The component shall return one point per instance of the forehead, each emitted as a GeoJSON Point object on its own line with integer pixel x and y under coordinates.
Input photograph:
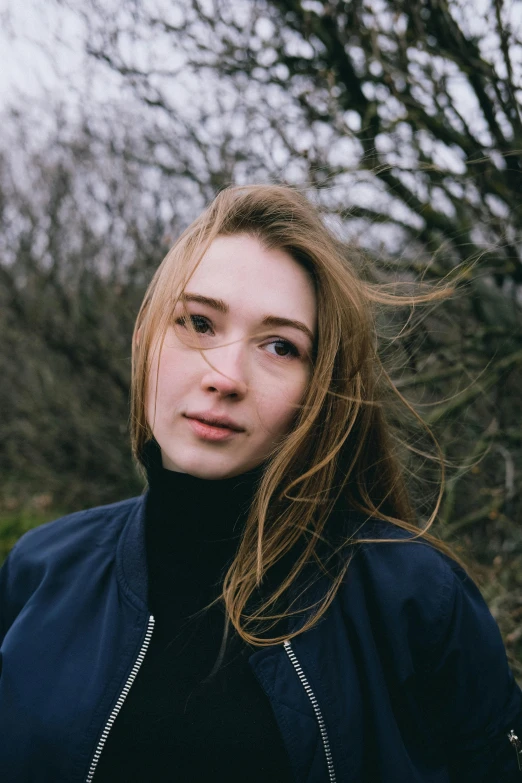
{"type": "Point", "coordinates": [239, 270]}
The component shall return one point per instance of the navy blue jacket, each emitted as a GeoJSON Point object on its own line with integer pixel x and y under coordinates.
{"type": "Point", "coordinates": [405, 679]}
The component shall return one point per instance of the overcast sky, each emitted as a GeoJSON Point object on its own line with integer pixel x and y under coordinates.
{"type": "Point", "coordinates": [31, 58]}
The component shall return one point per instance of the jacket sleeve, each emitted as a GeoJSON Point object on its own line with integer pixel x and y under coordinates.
{"type": "Point", "coordinates": [4, 624]}
{"type": "Point", "coordinates": [473, 699]}
{"type": "Point", "coordinates": [13, 589]}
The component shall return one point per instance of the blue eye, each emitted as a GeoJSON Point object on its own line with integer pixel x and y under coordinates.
{"type": "Point", "coordinates": [199, 322]}
{"type": "Point", "coordinates": [286, 346]}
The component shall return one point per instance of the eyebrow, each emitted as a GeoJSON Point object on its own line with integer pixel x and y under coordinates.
{"type": "Point", "coordinates": [268, 320]}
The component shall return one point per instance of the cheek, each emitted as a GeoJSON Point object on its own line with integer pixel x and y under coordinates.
{"type": "Point", "coordinates": [161, 384]}
{"type": "Point", "coordinates": [280, 405]}
{"type": "Point", "coordinates": [158, 384]}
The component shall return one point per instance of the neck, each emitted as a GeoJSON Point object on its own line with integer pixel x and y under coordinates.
{"type": "Point", "coordinates": [190, 511]}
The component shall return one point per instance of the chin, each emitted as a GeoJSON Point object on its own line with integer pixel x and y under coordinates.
{"type": "Point", "coordinates": [210, 467]}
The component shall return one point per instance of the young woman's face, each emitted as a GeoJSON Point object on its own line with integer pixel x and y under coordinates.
{"type": "Point", "coordinates": [242, 300]}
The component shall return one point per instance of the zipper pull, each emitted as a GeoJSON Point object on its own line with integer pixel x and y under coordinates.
{"type": "Point", "coordinates": [512, 737]}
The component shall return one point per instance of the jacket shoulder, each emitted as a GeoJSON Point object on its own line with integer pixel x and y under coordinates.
{"type": "Point", "coordinates": [392, 548]}
{"type": "Point", "coordinates": [417, 596]}
{"type": "Point", "coordinates": [97, 525]}
{"type": "Point", "coordinates": [67, 549]}
{"type": "Point", "coordinates": [388, 551]}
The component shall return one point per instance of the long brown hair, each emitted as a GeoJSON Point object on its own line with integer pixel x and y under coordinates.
{"type": "Point", "coordinates": [341, 445]}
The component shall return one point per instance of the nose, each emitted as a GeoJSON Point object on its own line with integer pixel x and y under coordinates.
{"type": "Point", "coordinates": [226, 373]}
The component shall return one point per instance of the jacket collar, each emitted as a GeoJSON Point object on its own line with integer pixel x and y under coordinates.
{"type": "Point", "coordinates": [131, 560]}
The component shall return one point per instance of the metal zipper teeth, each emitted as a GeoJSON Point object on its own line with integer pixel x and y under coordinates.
{"type": "Point", "coordinates": [123, 695]}
{"type": "Point", "coordinates": [318, 714]}
{"type": "Point", "coordinates": [515, 742]}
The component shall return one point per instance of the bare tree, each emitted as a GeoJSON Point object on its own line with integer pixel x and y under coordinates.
{"type": "Point", "coordinates": [403, 120]}
{"type": "Point", "coordinates": [80, 236]}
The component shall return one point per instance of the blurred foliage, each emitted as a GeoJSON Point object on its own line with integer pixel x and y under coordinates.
{"type": "Point", "coordinates": [501, 586]}
{"type": "Point", "coordinates": [402, 121]}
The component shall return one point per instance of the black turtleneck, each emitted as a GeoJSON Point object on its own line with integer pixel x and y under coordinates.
{"type": "Point", "coordinates": [178, 722]}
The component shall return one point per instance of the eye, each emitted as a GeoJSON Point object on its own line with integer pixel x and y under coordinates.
{"type": "Point", "coordinates": [199, 322]}
{"type": "Point", "coordinates": [284, 349]}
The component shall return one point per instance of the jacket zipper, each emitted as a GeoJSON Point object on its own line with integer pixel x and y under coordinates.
{"type": "Point", "coordinates": [512, 737]}
{"type": "Point", "coordinates": [317, 710]}
{"type": "Point", "coordinates": [119, 704]}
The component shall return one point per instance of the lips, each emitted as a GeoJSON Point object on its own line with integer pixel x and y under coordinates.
{"type": "Point", "coordinates": [214, 420]}
{"type": "Point", "coordinates": [212, 432]}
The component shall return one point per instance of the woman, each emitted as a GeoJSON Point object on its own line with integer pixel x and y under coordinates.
{"type": "Point", "coordinates": [270, 610]}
